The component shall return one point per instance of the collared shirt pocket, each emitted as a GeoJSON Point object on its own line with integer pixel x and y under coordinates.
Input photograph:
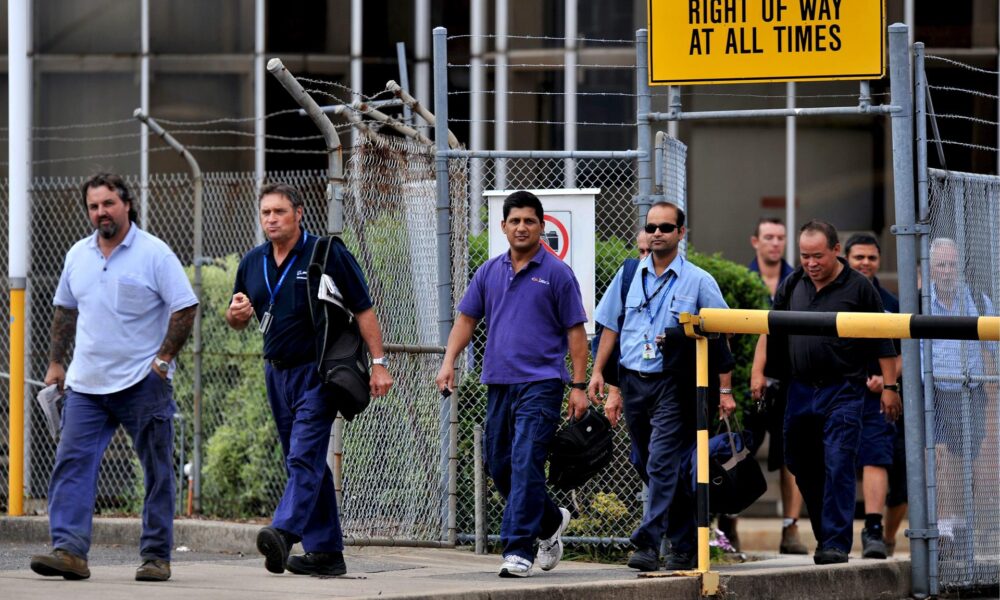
{"type": "Point", "coordinates": [682, 303]}
{"type": "Point", "coordinates": [133, 297]}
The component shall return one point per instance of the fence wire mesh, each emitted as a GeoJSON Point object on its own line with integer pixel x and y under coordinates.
{"type": "Point", "coordinates": [608, 507]}
{"type": "Point", "coordinates": [964, 262]}
{"type": "Point", "coordinates": [395, 482]}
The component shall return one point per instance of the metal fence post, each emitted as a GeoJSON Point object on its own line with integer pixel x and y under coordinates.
{"type": "Point", "coordinates": [198, 259]}
{"type": "Point", "coordinates": [643, 130]}
{"type": "Point", "coordinates": [480, 489]}
{"type": "Point", "coordinates": [902, 159]}
{"type": "Point", "coordinates": [444, 262]}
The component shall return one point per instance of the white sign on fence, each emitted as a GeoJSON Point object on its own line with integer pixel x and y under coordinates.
{"type": "Point", "coordinates": [569, 233]}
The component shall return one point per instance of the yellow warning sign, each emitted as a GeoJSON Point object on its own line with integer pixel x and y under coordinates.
{"type": "Point", "coordinates": [750, 41]}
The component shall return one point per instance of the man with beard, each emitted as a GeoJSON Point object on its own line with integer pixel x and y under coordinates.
{"type": "Point", "coordinates": [271, 284]}
{"type": "Point", "coordinates": [826, 386]}
{"type": "Point", "coordinates": [658, 410]}
{"type": "Point", "coordinates": [124, 299]}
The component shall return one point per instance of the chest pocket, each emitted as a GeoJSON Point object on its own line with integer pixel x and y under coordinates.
{"type": "Point", "coordinates": [681, 303]}
{"type": "Point", "coordinates": [133, 298]}
{"type": "Point", "coordinates": [301, 297]}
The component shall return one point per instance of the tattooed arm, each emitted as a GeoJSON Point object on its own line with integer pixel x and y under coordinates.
{"type": "Point", "coordinates": [178, 331]}
{"type": "Point", "coordinates": [62, 335]}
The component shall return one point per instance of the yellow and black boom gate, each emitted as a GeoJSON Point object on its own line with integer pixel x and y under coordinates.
{"type": "Point", "coordinates": [787, 322]}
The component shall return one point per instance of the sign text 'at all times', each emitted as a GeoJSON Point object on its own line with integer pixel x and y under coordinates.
{"type": "Point", "coordinates": [721, 24]}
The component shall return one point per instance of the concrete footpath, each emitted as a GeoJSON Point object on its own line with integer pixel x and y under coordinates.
{"type": "Point", "coordinates": [403, 572]}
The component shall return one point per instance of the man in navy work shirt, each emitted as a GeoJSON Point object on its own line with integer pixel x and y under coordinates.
{"type": "Point", "coordinates": [531, 303]}
{"type": "Point", "coordinates": [124, 299]}
{"type": "Point", "coordinates": [660, 417]}
{"type": "Point", "coordinates": [271, 284]}
{"type": "Point", "coordinates": [827, 388]}
{"type": "Point", "coordinates": [880, 438]}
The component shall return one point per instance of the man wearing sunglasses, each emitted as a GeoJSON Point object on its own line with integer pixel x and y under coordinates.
{"type": "Point", "coordinates": [660, 417]}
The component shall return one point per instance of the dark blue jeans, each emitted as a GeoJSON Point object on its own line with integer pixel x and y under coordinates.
{"type": "Point", "coordinates": [146, 411]}
{"type": "Point", "coordinates": [822, 435]}
{"type": "Point", "coordinates": [663, 430]}
{"type": "Point", "coordinates": [304, 416]}
{"type": "Point", "coordinates": [521, 419]}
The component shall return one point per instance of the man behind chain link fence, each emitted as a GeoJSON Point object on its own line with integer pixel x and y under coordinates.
{"type": "Point", "coordinates": [271, 284]}
{"type": "Point", "coordinates": [125, 301]}
{"type": "Point", "coordinates": [531, 303]}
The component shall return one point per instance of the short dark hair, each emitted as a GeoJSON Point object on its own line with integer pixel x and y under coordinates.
{"type": "Point", "coordinates": [284, 189]}
{"type": "Point", "coordinates": [677, 209]}
{"type": "Point", "coordinates": [861, 239]}
{"type": "Point", "coordinates": [523, 199]}
{"type": "Point", "coordinates": [828, 230]}
{"type": "Point", "coordinates": [766, 220]}
{"type": "Point", "coordinates": [112, 182]}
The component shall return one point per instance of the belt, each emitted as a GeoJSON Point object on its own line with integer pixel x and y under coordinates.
{"type": "Point", "coordinates": [288, 363]}
{"type": "Point", "coordinates": [826, 382]}
{"type": "Point", "coordinates": [646, 376]}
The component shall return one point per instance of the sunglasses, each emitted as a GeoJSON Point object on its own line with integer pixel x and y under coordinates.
{"type": "Point", "coordinates": [664, 227]}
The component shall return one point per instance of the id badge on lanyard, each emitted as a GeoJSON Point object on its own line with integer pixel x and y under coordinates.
{"type": "Point", "coordinates": [648, 345]}
{"type": "Point", "coordinates": [268, 316]}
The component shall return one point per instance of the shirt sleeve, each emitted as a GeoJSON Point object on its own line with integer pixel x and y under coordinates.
{"type": "Point", "coordinates": [871, 301]}
{"type": "Point", "coordinates": [347, 274]}
{"type": "Point", "coordinates": [569, 301]}
{"type": "Point", "coordinates": [610, 306]}
{"type": "Point", "coordinates": [709, 294]}
{"type": "Point", "coordinates": [172, 283]}
{"type": "Point", "coordinates": [473, 303]}
{"type": "Point", "coordinates": [240, 283]}
{"type": "Point", "coordinates": [64, 295]}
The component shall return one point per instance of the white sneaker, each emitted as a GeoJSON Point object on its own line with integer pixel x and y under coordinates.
{"type": "Point", "coordinates": [550, 550]}
{"type": "Point", "coordinates": [515, 566]}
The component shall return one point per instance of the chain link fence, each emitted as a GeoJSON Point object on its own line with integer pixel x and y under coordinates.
{"type": "Point", "coordinates": [395, 480]}
{"type": "Point", "coordinates": [609, 507]}
{"type": "Point", "coordinates": [964, 261]}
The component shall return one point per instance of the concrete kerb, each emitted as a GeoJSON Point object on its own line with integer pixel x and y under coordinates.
{"type": "Point", "coordinates": [773, 578]}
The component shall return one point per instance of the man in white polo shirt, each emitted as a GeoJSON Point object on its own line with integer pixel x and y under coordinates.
{"type": "Point", "coordinates": [124, 299]}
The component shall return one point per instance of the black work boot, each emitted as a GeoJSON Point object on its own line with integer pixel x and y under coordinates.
{"type": "Point", "coordinates": [644, 559]}
{"type": "Point", "coordinates": [60, 563]}
{"type": "Point", "coordinates": [680, 561]}
{"type": "Point", "coordinates": [872, 544]}
{"type": "Point", "coordinates": [274, 544]}
{"type": "Point", "coordinates": [317, 563]}
{"type": "Point", "coordinates": [830, 556]}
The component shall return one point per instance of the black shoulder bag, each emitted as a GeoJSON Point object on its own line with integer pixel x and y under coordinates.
{"type": "Point", "coordinates": [341, 352]}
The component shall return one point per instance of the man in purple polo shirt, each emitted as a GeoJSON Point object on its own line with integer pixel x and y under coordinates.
{"type": "Point", "coordinates": [533, 310]}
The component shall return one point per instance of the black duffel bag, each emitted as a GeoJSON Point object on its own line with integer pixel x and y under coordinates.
{"type": "Point", "coordinates": [735, 480]}
{"type": "Point", "coordinates": [581, 449]}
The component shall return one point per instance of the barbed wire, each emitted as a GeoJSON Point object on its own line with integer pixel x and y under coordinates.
{"type": "Point", "coordinates": [253, 148]}
{"type": "Point", "coordinates": [947, 88]}
{"type": "Point", "coordinates": [963, 118]}
{"type": "Point", "coordinates": [269, 136]}
{"type": "Point", "coordinates": [963, 144]}
{"type": "Point", "coordinates": [960, 64]}
{"type": "Point", "coordinates": [96, 138]}
{"type": "Point", "coordinates": [782, 96]}
{"type": "Point", "coordinates": [42, 161]}
{"type": "Point", "coordinates": [553, 65]}
{"type": "Point", "coordinates": [78, 125]}
{"type": "Point", "coordinates": [347, 89]}
{"type": "Point", "coordinates": [219, 121]}
{"type": "Point", "coordinates": [541, 37]}
{"type": "Point", "coordinates": [584, 123]}
{"type": "Point", "coordinates": [468, 92]}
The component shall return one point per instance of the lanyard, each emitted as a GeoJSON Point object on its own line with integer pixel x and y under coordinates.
{"type": "Point", "coordinates": [281, 280]}
{"type": "Point", "coordinates": [668, 282]}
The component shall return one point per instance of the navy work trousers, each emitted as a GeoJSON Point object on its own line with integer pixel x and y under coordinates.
{"type": "Point", "coordinates": [304, 416]}
{"type": "Point", "coordinates": [822, 435]}
{"type": "Point", "coordinates": [521, 419]}
{"type": "Point", "coordinates": [146, 411]}
{"type": "Point", "coordinates": [663, 429]}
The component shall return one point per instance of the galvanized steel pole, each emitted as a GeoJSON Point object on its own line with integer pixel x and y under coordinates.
{"type": "Point", "coordinates": [198, 259]}
{"type": "Point", "coordinates": [643, 109]}
{"type": "Point", "coordinates": [906, 249]}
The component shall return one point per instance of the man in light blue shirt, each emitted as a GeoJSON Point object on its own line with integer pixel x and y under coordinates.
{"type": "Point", "coordinates": [124, 299]}
{"type": "Point", "coordinates": [659, 414]}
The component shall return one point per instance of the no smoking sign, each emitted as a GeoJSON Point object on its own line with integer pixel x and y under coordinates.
{"type": "Point", "coordinates": [556, 236]}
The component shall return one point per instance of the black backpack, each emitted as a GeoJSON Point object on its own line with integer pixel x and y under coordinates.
{"type": "Point", "coordinates": [341, 352]}
{"type": "Point", "coordinates": [610, 371]}
{"type": "Point", "coordinates": [580, 450]}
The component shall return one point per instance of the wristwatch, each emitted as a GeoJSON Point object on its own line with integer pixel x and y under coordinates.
{"type": "Point", "coordinates": [579, 385]}
{"type": "Point", "coordinates": [725, 391]}
{"type": "Point", "coordinates": [381, 361]}
{"type": "Point", "coordinates": [891, 386]}
{"type": "Point", "coordinates": [163, 366]}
